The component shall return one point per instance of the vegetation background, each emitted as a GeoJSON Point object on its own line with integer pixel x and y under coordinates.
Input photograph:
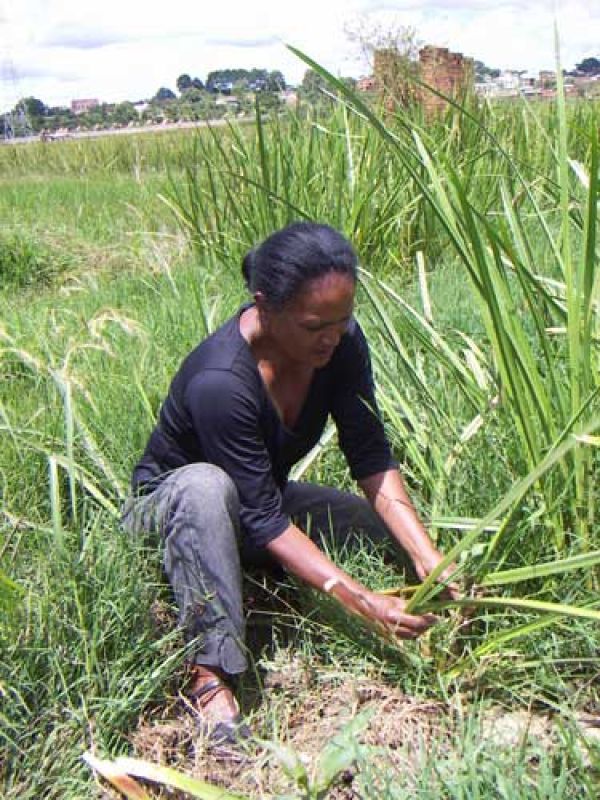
{"type": "Point", "coordinates": [478, 237]}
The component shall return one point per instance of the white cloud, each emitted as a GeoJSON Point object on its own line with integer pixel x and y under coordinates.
{"type": "Point", "coordinates": [120, 49]}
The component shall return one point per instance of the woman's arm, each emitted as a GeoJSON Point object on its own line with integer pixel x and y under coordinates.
{"type": "Point", "coordinates": [386, 493]}
{"type": "Point", "coordinates": [300, 556]}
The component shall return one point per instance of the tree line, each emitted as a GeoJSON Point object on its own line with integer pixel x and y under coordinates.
{"type": "Point", "coordinates": [225, 92]}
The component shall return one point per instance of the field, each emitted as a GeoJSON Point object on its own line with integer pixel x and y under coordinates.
{"type": "Point", "coordinates": [479, 292]}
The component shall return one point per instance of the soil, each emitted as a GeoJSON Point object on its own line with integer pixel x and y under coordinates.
{"type": "Point", "coordinates": [303, 710]}
{"type": "Point", "coordinates": [307, 716]}
{"type": "Point", "coordinates": [301, 706]}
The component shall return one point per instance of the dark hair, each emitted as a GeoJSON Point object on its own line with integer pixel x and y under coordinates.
{"type": "Point", "coordinates": [280, 267]}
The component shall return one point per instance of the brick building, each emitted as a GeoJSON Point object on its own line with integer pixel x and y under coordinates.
{"type": "Point", "coordinates": [449, 73]}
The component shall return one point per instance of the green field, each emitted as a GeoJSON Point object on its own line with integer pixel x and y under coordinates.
{"type": "Point", "coordinates": [477, 234]}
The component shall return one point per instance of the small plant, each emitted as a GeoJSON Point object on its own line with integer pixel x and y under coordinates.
{"type": "Point", "coordinates": [338, 755]}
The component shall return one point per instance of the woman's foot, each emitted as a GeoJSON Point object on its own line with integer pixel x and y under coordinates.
{"type": "Point", "coordinates": [216, 709]}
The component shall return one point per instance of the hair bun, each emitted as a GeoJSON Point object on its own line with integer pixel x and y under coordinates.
{"type": "Point", "coordinates": [248, 265]}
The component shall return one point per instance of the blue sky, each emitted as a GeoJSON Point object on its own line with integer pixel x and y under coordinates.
{"type": "Point", "coordinates": [125, 49]}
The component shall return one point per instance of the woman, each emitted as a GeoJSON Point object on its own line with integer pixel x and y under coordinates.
{"type": "Point", "coordinates": [245, 405]}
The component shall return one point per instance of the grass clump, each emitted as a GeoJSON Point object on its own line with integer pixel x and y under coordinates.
{"type": "Point", "coordinates": [79, 657]}
{"type": "Point", "coordinates": [29, 262]}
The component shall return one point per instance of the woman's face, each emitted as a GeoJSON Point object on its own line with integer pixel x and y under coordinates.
{"type": "Point", "coordinates": [309, 328]}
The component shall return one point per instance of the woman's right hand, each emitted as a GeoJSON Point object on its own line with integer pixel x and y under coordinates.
{"type": "Point", "coordinates": [389, 613]}
{"type": "Point", "coordinates": [298, 554]}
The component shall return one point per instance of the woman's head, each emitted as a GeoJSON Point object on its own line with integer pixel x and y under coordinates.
{"type": "Point", "coordinates": [284, 264]}
{"type": "Point", "coordinates": [303, 279]}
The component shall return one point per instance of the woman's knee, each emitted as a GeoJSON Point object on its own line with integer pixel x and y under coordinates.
{"type": "Point", "coordinates": [203, 488]}
{"type": "Point", "coordinates": [200, 517]}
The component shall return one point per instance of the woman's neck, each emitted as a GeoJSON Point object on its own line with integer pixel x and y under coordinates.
{"type": "Point", "coordinates": [287, 382]}
{"type": "Point", "coordinates": [266, 349]}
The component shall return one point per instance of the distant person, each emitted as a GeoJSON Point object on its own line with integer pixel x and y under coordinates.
{"type": "Point", "coordinates": [246, 404]}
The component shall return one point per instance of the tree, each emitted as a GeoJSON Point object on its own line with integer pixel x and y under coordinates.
{"type": "Point", "coordinates": [371, 37]}
{"type": "Point", "coordinates": [124, 113]}
{"type": "Point", "coordinates": [194, 95]}
{"type": "Point", "coordinates": [197, 84]}
{"type": "Point", "coordinates": [60, 117]}
{"type": "Point", "coordinates": [164, 94]}
{"type": "Point", "coordinates": [312, 85]}
{"type": "Point", "coordinates": [275, 81]}
{"type": "Point", "coordinates": [589, 66]}
{"type": "Point", "coordinates": [482, 71]}
{"type": "Point", "coordinates": [183, 82]}
{"type": "Point", "coordinates": [390, 52]}
{"type": "Point", "coordinates": [33, 107]}
{"type": "Point", "coordinates": [28, 114]}
{"type": "Point", "coordinates": [268, 102]}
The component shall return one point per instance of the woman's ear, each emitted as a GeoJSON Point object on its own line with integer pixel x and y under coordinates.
{"type": "Point", "coordinates": [262, 308]}
{"type": "Point", "coordinates": [260, 301]}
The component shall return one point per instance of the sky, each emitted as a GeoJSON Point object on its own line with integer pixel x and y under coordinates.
{"type": "Point", "coordinates": [115, 50]}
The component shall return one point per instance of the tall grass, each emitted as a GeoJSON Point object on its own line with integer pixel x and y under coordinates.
{"type": "Point", "coordinates": [137, 155]}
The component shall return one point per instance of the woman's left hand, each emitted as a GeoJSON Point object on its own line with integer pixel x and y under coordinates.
{"type": "Point", "coordinates": [427, 561]}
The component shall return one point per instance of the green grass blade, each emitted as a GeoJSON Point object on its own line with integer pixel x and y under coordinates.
{"type": "Point", "coordinates": [498, 642]}
{"type": "Point", "coordinates": [55, 502]}
{"type": "Point", "coordinates": [86, 480]}
{"type": "Point", "coordinates": [518, 604]}
{"type": "Point", "coordinates": [510, 499]}
{"type": "Point", "coordinates": [583, 561]}
{"type": "Point", "coordinates": [9, 592]}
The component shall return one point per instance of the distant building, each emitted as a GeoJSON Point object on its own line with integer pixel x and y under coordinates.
{"type": "Point", "coordinates": [486, 88]}
{"type": "Point", "coordinates": [81, 106]}
{"type": "Point", "coordinates": [450, 74]}
{"type": "Point", "coordinates": [227, 102]}
{"type": "Point", "coordinates": [366, 84]}
{"type": "Point", "coordinates": [257, 86]}
{"type": "Point", "coordinates": [515, 83]}
{"type": "Point", "coordinates": [509, 81]}
{"type": "Point", "coordinates": [222, 87]}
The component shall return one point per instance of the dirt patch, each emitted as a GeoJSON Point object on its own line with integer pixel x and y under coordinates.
{"type": "Point", "coordinates": [513, 729]}
{"type": "Point", "coordinates": [301, 711]}
{"type": "Point", "coordinates": [301, 706]}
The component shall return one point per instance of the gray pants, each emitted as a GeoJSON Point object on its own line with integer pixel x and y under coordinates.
{"type": "Point", "coordinates": [195, 509]}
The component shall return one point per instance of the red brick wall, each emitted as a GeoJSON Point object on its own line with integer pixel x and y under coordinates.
{"type": "Point", "coordinates": [449, 73]}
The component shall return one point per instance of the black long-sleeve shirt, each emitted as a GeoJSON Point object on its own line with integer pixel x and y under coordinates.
{"type": "Point", "coordinates": [219, 411]}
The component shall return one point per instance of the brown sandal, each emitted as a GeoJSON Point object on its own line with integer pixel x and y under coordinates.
{"type": "Point", "coordinates": [232, 731]}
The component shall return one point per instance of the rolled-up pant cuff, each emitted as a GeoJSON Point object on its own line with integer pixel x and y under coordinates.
{"type": "Point", "coordinates": [220, 649]}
